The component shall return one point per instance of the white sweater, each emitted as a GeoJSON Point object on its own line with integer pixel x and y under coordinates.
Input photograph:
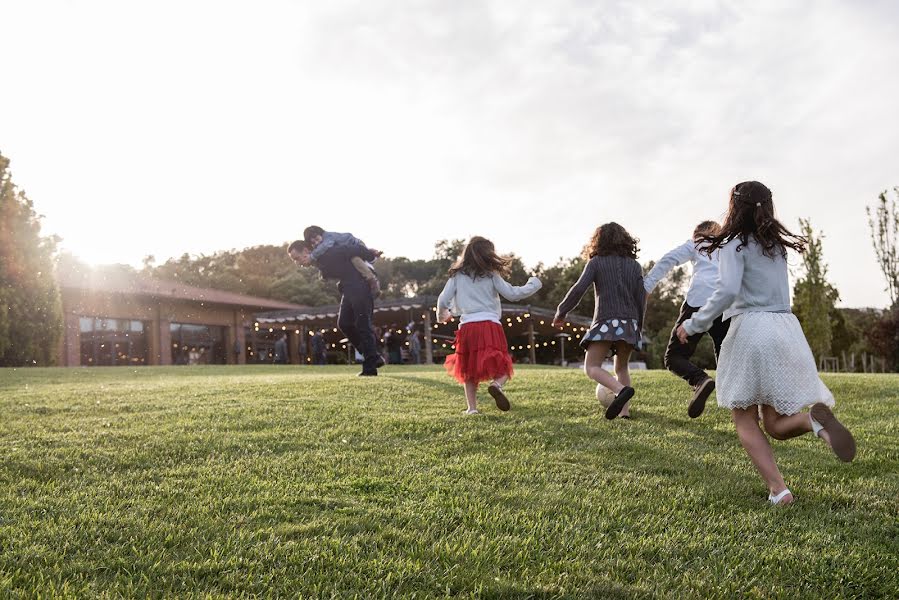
{"type": "Point", "coordinates": [748, 281]}
{"type": "Point", "coordinates": [705, 272]}
{"type": "Point", "coordinates": [478, 299]}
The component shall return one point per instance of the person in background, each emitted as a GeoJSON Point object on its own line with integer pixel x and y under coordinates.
{"type": "Point", "coordinates": [281, 350]}
{"type": "Point", "coordinates": [319, 356]}
{"type": "Point", "coordinates": [414, 347]}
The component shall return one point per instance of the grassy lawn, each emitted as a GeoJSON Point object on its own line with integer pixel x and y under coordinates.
{"type": "Point", "coordinates": [310, 482]}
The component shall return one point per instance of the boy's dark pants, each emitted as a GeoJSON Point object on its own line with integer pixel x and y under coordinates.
{"type": "Point", "coordinates": [355, 321]}
{"type": "Point", "coordinates": [677, 355]}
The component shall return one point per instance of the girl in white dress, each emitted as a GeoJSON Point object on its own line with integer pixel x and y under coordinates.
{"type": "Point", "coordinates": [766, 367]}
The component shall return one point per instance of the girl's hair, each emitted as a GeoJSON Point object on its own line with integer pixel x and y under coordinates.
{"type": "Point", "coordinates": [751, 212]}
{"type": "Point", "coordinates": [479, 259]}
{"type": "Point", "coordinates": [705, 228]}
{"type": "Point", "coordinates": [611, 239]}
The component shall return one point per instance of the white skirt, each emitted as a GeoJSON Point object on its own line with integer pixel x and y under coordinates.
{"type": "Point", "coordinates": [765, 359]}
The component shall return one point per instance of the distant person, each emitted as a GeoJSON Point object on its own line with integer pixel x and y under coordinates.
{"type": "Point", "coordinates": [414, 347]}
{"type": "Point", "coordinates": [702, 285]}
{"type": "Point", "coordinates": [301, 350]}
{"type": "Point", "coordinates": [617, 280]}
{"type": "Point", "coordinates": [766, 367]}
{"type": "Point", "coordinates": [394, 347]}
{"type": "Point", "coordinates": [319, 353]}
{"type": "Point", "coordinates": [476, 282]}
{"type": "Point", "coordinates": [356, 302]}
{"type": "Point", "coordinates": [320, 241]}
{"type": "Point", "coordinates": [281, 350]}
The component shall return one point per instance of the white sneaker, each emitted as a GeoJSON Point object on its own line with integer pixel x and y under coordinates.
{"type": "Point", "coordinates": [471, 411]}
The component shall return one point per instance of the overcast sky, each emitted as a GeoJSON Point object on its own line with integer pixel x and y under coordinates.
{"type": "Point", "coordinates": [170, 127]}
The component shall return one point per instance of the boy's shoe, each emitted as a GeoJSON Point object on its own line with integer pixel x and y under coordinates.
{"type": "Point", "coordinates": [841, 441]}
{"type": "Point", "coordinates": [618, 403]}
{"type": "Point", "coordinates": [381, 362]}
{"type": "Point", "coordinates": [701, 393]}
{"type": "Point", "coordinates": [368, 374]}
{"type": "Point", "coordinates": [502, 402]}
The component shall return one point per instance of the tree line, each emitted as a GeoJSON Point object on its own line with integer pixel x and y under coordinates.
{"type": "Point", "coordinates": [31, 318]}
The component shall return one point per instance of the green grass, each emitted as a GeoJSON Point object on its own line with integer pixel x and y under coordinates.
{"type": "Point", "coordinates": [306, 482]}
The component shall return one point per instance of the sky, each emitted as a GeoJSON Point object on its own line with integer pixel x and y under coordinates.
{"type": "Point", "coordinates": [159, 128]}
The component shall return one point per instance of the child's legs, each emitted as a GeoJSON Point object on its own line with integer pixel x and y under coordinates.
{"type": "Point", "coordinates": [501, 380]}
{"type": "Point", "coordinates": [757, 447]}
{"type": "Point", "coordinates": [622, 358]}
{"type": "Point", "coordinates": [596, 354]}
{"type": "Point", "coordinates": [782, 427]}
{"type": "Point", "coordinates": [471, 394]}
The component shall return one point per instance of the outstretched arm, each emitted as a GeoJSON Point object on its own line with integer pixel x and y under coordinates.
{"type": "Point", "coordinates": [674, 258]}
{"type": "Point", "coordinates": [514, 293]}
{"type": "Point", "coordinates": [574, 295]}
{"type": "Point", "coordinates": [730, 279]}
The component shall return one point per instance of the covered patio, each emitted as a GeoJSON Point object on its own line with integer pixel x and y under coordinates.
{"type": "Point", "coordinates": [532, 338]}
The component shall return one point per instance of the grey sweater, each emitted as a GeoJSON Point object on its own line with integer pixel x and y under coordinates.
{"type": "Point", "coordinates": [618, 286]}
{"type": "Point", "coordinates": [748, 281]}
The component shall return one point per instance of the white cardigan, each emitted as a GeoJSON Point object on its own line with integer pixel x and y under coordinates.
{"type": "Point", "coordinates": [478, 299]}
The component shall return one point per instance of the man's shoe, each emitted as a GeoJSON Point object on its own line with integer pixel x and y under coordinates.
{"type": "Point", "coordinates": [701, 393]}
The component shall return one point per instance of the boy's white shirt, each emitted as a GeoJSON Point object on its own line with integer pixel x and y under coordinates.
{"type": "Point", "coordinates": [479, 299]}
{"type": "Point", "coordinates": [704, 280]}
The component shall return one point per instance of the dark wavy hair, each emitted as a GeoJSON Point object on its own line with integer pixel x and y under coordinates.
{"type": "Point", "coordinates": [751, 213]}
{"type": "Point", "coordinates": [479, 259]}
{"type": "Point", "coordinates": [611, 239]}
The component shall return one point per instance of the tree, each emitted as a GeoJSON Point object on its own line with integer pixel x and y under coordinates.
{"type": "Point", "coordinates": [30, 308]}
{"type": "Point", "coordinates": [814, 298]}
{"type": "Point", "coordinates": [884, 224]}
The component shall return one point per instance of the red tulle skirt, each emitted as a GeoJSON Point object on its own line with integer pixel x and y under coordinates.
{"type": "Point", "coordinates": [481, 353]}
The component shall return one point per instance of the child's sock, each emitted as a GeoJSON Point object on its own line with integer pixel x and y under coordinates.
{"type": "Point", "coordinates": [816, 426]}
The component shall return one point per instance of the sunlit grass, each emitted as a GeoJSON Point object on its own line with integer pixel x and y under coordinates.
{"type": "Point", "coordinates": [310, 482]}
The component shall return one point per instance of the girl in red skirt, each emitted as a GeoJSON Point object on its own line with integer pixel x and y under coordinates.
{"type": "Point", "coordinates": [473, 293]}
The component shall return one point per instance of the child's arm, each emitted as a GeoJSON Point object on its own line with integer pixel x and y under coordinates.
{"type": "Point", "coordinates": [514, 293]}
{"type": "Point", "coordinates": [446, 300]}
{"type": "Point", "coordinates": [674, 258]}
{"type": "Point", "coordinates": [574, 295]}
{"type": "Point", "coordinates": [730, 279]}
{"type": "Point", "coordinates": [640, 293]}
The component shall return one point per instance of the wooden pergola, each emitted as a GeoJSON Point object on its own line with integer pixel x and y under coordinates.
{"type": "Point", "coordinates": [528, 328]}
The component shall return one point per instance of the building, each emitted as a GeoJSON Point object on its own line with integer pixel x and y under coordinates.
{"type": "Point", "coordinates": [119, 318]}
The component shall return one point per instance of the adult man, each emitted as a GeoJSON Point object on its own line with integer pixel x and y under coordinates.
{"type": "Point", "coordinates": [281, 350]}
{"type": "Point", "coordinates": [356, 303]}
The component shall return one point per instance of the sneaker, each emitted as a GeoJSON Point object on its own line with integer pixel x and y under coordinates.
{"type": "Point", "coordinates": [841, 441]}
{"type": "Point", "coordinates": [701, 393]}
{"type": "Point", "coordinates": [502, 402]}
{"type": "Point", "coordinates": [367, 374]}
{"type": "Point", "coordinates": [620, 400]}
{"type": "Point", "coordinates": [471, 411]}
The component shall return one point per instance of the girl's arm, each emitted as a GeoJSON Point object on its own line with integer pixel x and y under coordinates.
{"type": "Point", "coordinates": [674, 258]}
{"type": "Point", "coordinates": [574, 295]}
{"type": "Point", "coordinates": [638, 288]}
{"type": "Point", "coordinates": [515, 293]}
{"type": "Point", "coordinates": [446, 300]}
{"type": "Point", "coordinates": [730, 279]}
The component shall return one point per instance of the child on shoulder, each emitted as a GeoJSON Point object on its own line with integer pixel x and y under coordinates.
{"type": "Point", "coordinates": [617, 279]}
{"type": "Point", "coordinates": [320, 241]}
{"type": "Point", "coordinates": [473, 293]}
{"type": "Point", "coordinates": [766, 367]}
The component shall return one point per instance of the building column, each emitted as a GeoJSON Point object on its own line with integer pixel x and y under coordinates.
{"type": "Point", "coordinates": [240, 337]}
{"type": "Point", "coordinates": [164, 350]}
{"type": "Point", "coordinates": [293, 346]}
{"type": "Point", "coordinates": [303, 345]}
{"type": "Point", "coordinates": [429, 346]}
{"type": "Point", "coordinates": [531, 344]}
{"type": "Point", "coordinates": [71, 339]}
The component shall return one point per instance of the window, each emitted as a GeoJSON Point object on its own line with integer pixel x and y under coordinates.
{"type": "Point", "coordinates": [112, 342]}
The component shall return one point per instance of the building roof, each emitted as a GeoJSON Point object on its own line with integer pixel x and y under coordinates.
{"type": "Point", "coordinates": [123, 282]}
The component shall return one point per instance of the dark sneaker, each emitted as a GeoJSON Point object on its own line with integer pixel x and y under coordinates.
{"type": "Point", "coordinates": [841, 441]}
{"type": "Point", "coordinates": [502, 402]}
{"type": "Point", "coordinates": [381, 362]}
{"type": "Point", "coordinates": [368, 374]}
{"type": "Point", "coordinates": [701, 393]}
{"type": "Point", "coordinates": [620, 400]}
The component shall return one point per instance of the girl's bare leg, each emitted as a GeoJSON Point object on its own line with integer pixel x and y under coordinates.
{"type": "Point", "coordinates": [759, 450]}
{"type": "Point", "coordinates": [471, 394]}
{"type": "Point", "coordinates": [596, 354]}
{"type": "Point", "coordinates": [784, 427]}
{"type": "Point", "coordinates": [622, 357]}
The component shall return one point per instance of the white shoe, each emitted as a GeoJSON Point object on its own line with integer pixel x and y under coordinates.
{"type": "Point", "coordinates": [777, 499]}
{"type": "Point", "coordinates": [471, 411]}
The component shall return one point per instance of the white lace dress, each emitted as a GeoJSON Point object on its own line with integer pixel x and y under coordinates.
{"type": "Point", "coordinates": [765, 359]}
